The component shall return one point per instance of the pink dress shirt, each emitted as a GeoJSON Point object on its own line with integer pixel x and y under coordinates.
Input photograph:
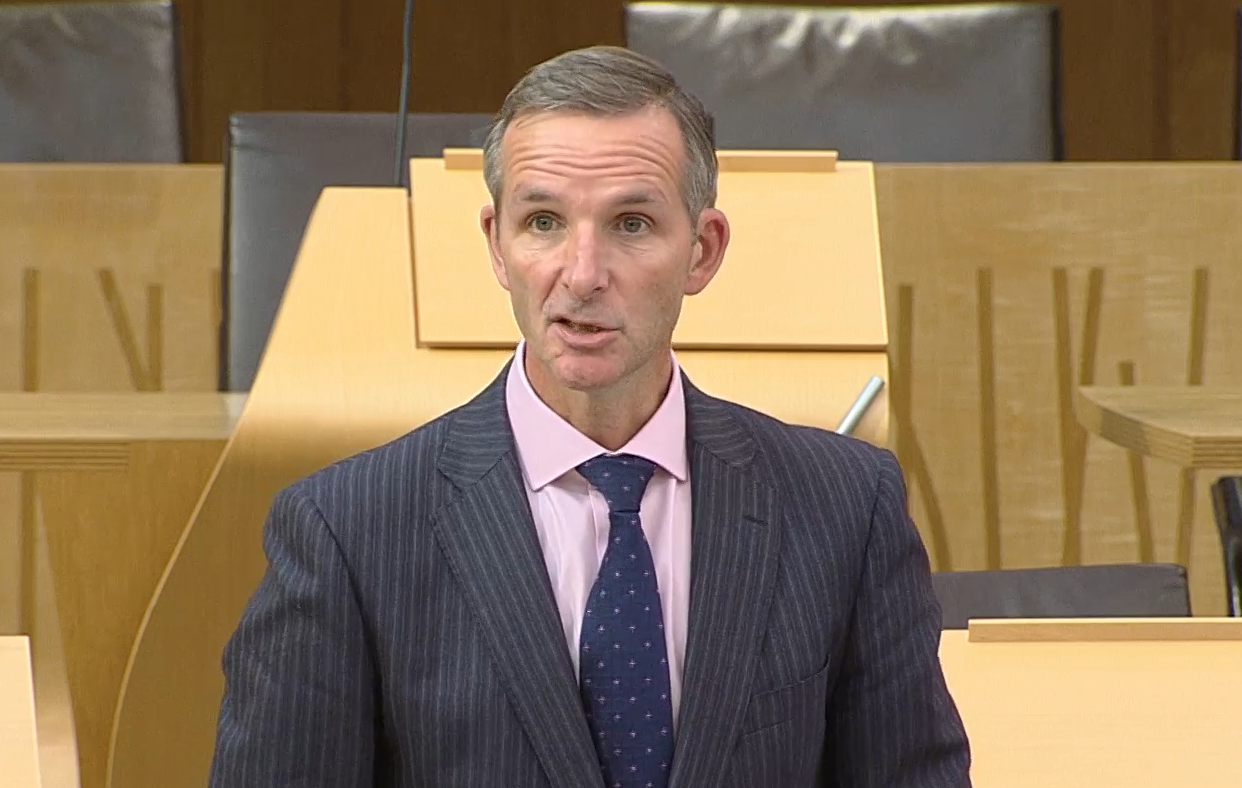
{"type": "Point", "coordinates": [571, 517]}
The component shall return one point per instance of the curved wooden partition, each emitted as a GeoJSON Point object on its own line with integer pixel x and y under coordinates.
{"type": "Point", "coordinates": [340, 375]}
{"type": "Point", "coordinates": [343, 372]}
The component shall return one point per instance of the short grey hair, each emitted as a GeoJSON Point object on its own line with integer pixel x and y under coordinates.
{"type": "Point", "coordinates": [610, 81]}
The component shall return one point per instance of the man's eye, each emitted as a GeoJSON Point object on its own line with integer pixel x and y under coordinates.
{"type": "Point", "coordinates": [633, 224]}
{"type": "Point", "coordinates": [541, 223]}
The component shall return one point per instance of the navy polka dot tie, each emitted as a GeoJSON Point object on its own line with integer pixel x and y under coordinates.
{"type": "Point", "coordinates": [623, 661]}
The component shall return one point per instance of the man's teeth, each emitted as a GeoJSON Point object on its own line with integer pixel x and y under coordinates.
{"type": "Point", "coordinates": [583, 328]}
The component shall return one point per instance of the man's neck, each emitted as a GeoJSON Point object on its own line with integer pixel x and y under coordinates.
{"type": "Point", "coordinates": [610, 418]}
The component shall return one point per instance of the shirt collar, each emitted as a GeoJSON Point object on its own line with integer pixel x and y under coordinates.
{"type": "Point", "coordinates": [549, 447]}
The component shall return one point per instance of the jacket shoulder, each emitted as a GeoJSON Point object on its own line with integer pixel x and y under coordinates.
{"type": "Point", "coordinates": [825, 474]}
{"type": "Point", "coordinates": [369, 478]}
{"type": "Point", "coordinates": [808, 449]}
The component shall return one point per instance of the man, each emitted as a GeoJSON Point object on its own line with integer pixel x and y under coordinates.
{"type": "Point", "coordinates": [594, 574]}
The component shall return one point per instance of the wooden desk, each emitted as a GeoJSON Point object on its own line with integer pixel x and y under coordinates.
{"type": "Point", "coordinates": [1099, 703]}
{"type": "Point", "coordinates": [53, 432]}
{"type": "Point", "coordinates": [19, 754]}
{"type": "Point", "coordinates": [116, 478]}
{"type": "Point", "coordinates": [1196, 427]}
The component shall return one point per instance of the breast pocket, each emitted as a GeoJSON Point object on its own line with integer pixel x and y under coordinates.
{"type": "Point", "coordinates": [793, 701]}
{"type": "Point", "coordinates": [782, 741]}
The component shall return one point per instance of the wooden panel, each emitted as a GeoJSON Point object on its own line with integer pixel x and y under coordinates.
{"type": "Point", "coordinates": [1189, 426]}
{"type": "Point", "coordinates": [467, 53]}
{"type": "Point", "coordinates": [371, 54]}
{"type": "Point", "coordinates": [533, 36]}
{"type": "Point", "coordinates": [829, 247]}
{"type": "Point", "coordinates": [108, 282]}
{"type": "Point", "coordinates": [465, 56]}
{"type": "Point", "coordinates": [838, 303]}
{"type": "Point", "coordinates": [190, 66]}
{"type": "Point", "coordinates": [58, 741]}
{"type": "Point", "coordinates": [87, 307]}
{"type": "Point", "coordinates": [165, 739]}
{"type": "Point", "coordinates": [1097, 714]}
{"type": "Point", "coordinates": [121, 419]}
{"type": "Point", "coordinates": [234, 36]}
{"type": "Point", "coordinates": [1110, 53]}
{"type": "Point", "coordinates": [97, 523]}
{"type": "Point", "coordinates": [88, 524]}
{"type": "Point", "coordinates": [10, 553]}
{"type": "Point", "coordinates": [19, 753]}
{"type": "Point", "coordinates": [1202, 78]}
{"type": "Point", "coordinates": [1103, 630]}
{"type": "Point", "coordinates": [304, 62]}
{"type": "Point", "coordinates": [1062, 244]}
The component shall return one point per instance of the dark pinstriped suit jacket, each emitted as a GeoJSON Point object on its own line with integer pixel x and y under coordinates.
{"type": "Point", "coordinates": [406, 633]}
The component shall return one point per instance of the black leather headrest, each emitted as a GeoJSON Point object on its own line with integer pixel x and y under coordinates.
{"type": "Point", "coordinates": [276, 166]}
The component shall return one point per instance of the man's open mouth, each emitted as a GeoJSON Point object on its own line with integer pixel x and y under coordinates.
{"type": "Point", "coordinates": [584, 328]}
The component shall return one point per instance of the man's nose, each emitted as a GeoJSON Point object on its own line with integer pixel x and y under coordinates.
{"type": "Point", "coordinates": [585, 273]}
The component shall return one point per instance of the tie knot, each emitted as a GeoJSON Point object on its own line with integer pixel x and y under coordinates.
{"type": "Point", "coordinates": [620, 478]}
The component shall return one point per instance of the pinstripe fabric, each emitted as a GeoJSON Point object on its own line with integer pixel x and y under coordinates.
{"type": "Point", "coordinates": [406, 633]}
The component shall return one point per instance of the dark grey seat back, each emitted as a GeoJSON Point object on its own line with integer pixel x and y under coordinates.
{"type": "Point", "coordinates": [276, 166]}
{"type": "Point", "coordinates": [1237, 91]}
{"type": "Point", "coordinates": [1227, 506]}
{"type": "Point", "coordinates": [89, 82]}
{"type": "Point", "coordinates": [1144, 590]}
{"type": "Point", "coordinates": [905, 83]}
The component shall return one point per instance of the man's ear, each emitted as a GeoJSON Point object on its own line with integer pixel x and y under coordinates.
{"type": "Point", "coordinates": [709, 250]}
{"type": "Point", "coordinates": [489, 223]}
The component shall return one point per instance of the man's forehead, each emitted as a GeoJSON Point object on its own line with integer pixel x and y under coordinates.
{"type": "Point", "coordinates": [620, 194]}
{"type": "Point", "coordinates": [652, 116]}
{"type": "Point", "coordinates": [555, 152]}
{"type": "Point", "coordinates": [577, 135]}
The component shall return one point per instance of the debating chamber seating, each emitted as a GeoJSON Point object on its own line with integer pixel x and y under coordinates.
{"type": "Point", "coordinates": [276, 165]}
{"type": "Point", "coordinates": [958, 83]}
{"type": "Point", "coordinates": [57, 93]}
{"type": "Point", "coordinates": [1099, 591]}
{"type": "Point", "coordinates": [212, 285]}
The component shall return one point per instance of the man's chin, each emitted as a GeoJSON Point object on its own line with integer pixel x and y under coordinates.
{"type": "Point", "coordinates": [586, 375]}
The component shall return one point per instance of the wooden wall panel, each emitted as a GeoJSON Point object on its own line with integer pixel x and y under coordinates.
{"type": "Point", "coordinates": [1084, 272]}
{"type": "Point", "coordinates": [190, 43]}
{"type": "Point", "coordinates": [1202, 79]}
{"type": "Point", "coordinates": [1109, 57]}
{"type": "Point", "coordinates": [93, 259]}
{"type": "Point", "coordinates": [129, 518]}
{"type": "Point", "coordinates": [231, 72]}
{"type": "Point", "coordinates": [109, 281]}
{"type": "Point", "coordinates": [371, 54]}
{"type": "Point", "coordinates": [304, 59]}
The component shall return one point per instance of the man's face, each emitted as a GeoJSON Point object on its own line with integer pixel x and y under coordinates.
{"type": "Point", "coordinates": [593, 242]}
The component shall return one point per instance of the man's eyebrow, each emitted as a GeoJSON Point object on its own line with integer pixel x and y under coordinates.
{"type": "Point", "coordinates": [639, 198]}
{"type": "Point", "coordinates": [535, 194]}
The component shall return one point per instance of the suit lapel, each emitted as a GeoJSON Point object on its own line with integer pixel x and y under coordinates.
{"type": "Point", "coordinates": [735, 544]}
{"type": "Point", "coordinates": [489, 536]}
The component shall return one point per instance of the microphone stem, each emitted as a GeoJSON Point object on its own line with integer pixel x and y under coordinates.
{"type": "Point", "coordinates": [404, 102]}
